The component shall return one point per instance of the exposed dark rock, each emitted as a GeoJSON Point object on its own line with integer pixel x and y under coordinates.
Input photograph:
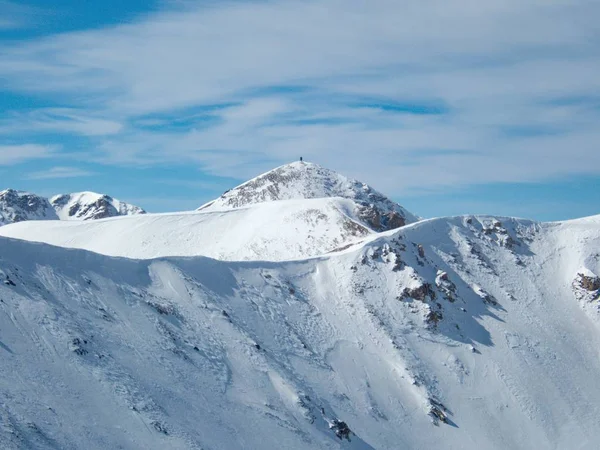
{"type": "Point", "coordinates": [433, 317]}
{"type": "Point", "coordinates": [589, 283]}
{"type": "Point", "coordinates": [77, 346]}
{"type": "Point", "coordinates": [341, 429]}
{"type": "Point", "coordinates": [395, 220]}
{"type": "Point", "coordinates": [438, 412]}
{"type": "Point", "coordinates": [165, 310]}
{"type": "Point", "coordinates": [420, 293]}
{"type": "Point", "coordinates": [442, 281]}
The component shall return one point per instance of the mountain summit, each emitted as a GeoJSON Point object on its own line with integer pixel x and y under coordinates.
{"type": "Point", "coordinates": [304, 180]}
{"type": "Point", "coordinates": [18, 206]}
{"type": "Point", "coordinates": [90, 205]}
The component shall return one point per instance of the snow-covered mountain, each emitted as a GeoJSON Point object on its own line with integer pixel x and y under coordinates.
{"type": "Point", "coordinates": [295, 211]}
{"type": "Point", "coordinates": [453, 333]}
{"type": "Point", "coordinates": [17, 206]}
{"type": "Point", "coordinates": [90, 205]}
{"type": "Point", "coordinates": [472, 332]}
{"type": "Point", "coordinates": [304, 180]}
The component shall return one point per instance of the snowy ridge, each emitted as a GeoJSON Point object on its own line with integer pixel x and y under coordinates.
{"type": "Point", "coordinates": [338, 331]}
{"type": "Point", "coordinates": [17, 206]}
{"type": "Point", "coordinates": [90, 205]}
{"type": "Point", "coordinates": [269, 231]}
{"type": "Point", "coordinates": [469, 323]}
{"type": "Point", "coordinates": [303, 180]}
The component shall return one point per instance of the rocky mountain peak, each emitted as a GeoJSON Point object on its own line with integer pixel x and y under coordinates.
{"type": "Point", "coordinates": [17, 206]}
{"type": "Point", "coordinates": [305, 180]}
{"type": "Point", "coordinates": [90, 206]}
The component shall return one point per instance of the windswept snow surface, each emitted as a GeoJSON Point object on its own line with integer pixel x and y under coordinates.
{"type": "Point", "coordinates": [454, 333]}
{"type": "Point", "coordinates": [272, 231]}
{"type": "Point", "coordinates": [304, 180]}
{"type": "Point", "coordinates": [90, 205]}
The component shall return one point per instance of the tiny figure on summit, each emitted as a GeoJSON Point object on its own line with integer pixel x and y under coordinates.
{"type": "Point", "coordinates": [301, 159]}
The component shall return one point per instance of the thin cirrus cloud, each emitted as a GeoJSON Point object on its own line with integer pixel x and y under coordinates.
{"type": "Point", "coordinates": [446, 93]}
{"type": "Point", "coordinates": [59, 172]}
{"type": "Point", "coordinates": [59, 120]}
{"type": "Point", "coordinates": [15, 154]}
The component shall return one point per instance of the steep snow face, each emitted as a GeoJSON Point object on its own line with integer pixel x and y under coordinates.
{"type": "Point", "coordinates": [17, 206]}
{"type": "Point", "coordinates": [89, 205]}
{"type": "Point", "coordinates": [269, 231]}
{"type": "Point", "coordinates": [456, 333]}
{"type": "Point", "coordinates": [302, 180]}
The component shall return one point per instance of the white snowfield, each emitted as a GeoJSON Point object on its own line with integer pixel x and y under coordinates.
{"type": "Point", "coordinates": [470, 332]}
{"type": "Point", "coordinates": [268, 231]}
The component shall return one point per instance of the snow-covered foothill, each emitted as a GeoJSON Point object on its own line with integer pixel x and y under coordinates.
{"type": "Point", "coordinates": [268, 231]}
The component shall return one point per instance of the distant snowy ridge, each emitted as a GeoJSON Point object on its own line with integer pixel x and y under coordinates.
{"type": "Point", "coordinates": [304, 180]}
{"type": "Point", "coordinates": [90, 205]}
{"type": "Point", "coordinates": [19, 206]}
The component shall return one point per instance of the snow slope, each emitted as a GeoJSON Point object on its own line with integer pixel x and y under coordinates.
{"type": "Point", "coordinates": [474, 323]}
{"type": "Point", "coordinates": [274, 231]}
{"type": "Point", "coordinates": [17, 206]}
{"type": "Point", "coordinates": [303, 180]}
{"type": "Point", "coordinates": [295, 211]}
{"type": "Point", "coordinates": [90, 205]}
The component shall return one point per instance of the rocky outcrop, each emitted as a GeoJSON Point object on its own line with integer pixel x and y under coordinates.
{"type": "Point", "coordinates": [586, 286]}
{"type": "Point", "coordinates": [589, 283]}
{"type": "Point", "coordinates": [422, 292]}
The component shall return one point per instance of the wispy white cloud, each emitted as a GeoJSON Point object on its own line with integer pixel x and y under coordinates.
{"type": "Point", "coordinates": [14, 154]}
{"type": "Point", "coordinates": [344, 83]}
{"type": "Point", "coordinates": [60, 120]}
{"type": "Point", "coordinates": [59, 172]}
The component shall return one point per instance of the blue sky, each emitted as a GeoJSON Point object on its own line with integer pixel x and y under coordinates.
{"type": "Point", "coordinates": [448, 107]}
